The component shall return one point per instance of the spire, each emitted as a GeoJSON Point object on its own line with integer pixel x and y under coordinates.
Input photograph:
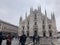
{"type": "Point", "coordinates": [53, 20]}
{"type": "Point", "coordinates": [45, 13]}
{"type": "Point", "coordinates": [31, 10]}
{"type": "Point", "coordinates": [26, 15]}
{"type": "Point", "coordinates": [45, 16]}
{"type": "Point", "coordinates": [39, 8]}
{"type": "Point", "coordinates": [40, 16]}
{"type": "Point", "coordinates": [20, 19]}
{"type": "Point", "coordinates": [52, 16]}
{"type": "Point", "coordinates": [53, 23]}
{"type": "Point", "coordinates": [46, 24]}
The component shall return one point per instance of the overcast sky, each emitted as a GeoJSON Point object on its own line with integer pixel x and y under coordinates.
{"type": "Point", "coordinates": [11, 10]}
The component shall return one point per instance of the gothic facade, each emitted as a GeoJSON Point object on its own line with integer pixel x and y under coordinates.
{"type": "Point", "coordinates": [38, 22]}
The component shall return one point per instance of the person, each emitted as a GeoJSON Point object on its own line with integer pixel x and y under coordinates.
{"type": "Point", "coordinates": [9, 38]}
{"type": "Point", "coordinates": [35, 38]}
{"type": "Point", "coordinates": [23, 39]}
{"type": "Point", "coordinates": [1, 38]}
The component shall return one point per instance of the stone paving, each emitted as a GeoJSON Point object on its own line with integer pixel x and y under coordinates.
{"type": "Point", "coordinates": [16, 42]}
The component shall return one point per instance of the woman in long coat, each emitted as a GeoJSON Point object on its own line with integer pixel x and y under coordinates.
{"type": "Point", "coordinates": [9, 38]}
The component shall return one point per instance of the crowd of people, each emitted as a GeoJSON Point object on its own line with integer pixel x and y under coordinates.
{"type": "Point", "coordinates": [8, 38]}
{"type": "Point", "coordinates": [22, 39]}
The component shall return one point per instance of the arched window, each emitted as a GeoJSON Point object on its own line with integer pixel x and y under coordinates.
{"type": "Point", "coordinates": [44, 33]}
{"type": "Point", "coordinates": [35, 23]}
{"type": "Point", "coordinates": [50, 33]}
{"type": "Point", "coordinates": [28, 22]}
{"type": "Point", "coordinates": [49, 26]}
{"type": "Point", "coordinates": [43, 27]}
{"type": "Point", "coordinates": [43, 22]}
{"type": "Point", "coordinates": [35, 16]}
{"type": "Point", "coordinates": [28, 27]}
{"type": "Point", "coordinates": [27, 33]}
{"type": "Point", "coordinates": [23, 27]}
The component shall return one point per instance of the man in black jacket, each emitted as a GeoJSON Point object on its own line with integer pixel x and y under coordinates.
{"type": "Point", "coordinates": [23, 39]}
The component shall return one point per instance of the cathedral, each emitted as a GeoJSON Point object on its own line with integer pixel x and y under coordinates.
{"type": "Point", "coordinates": [38, 22]}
